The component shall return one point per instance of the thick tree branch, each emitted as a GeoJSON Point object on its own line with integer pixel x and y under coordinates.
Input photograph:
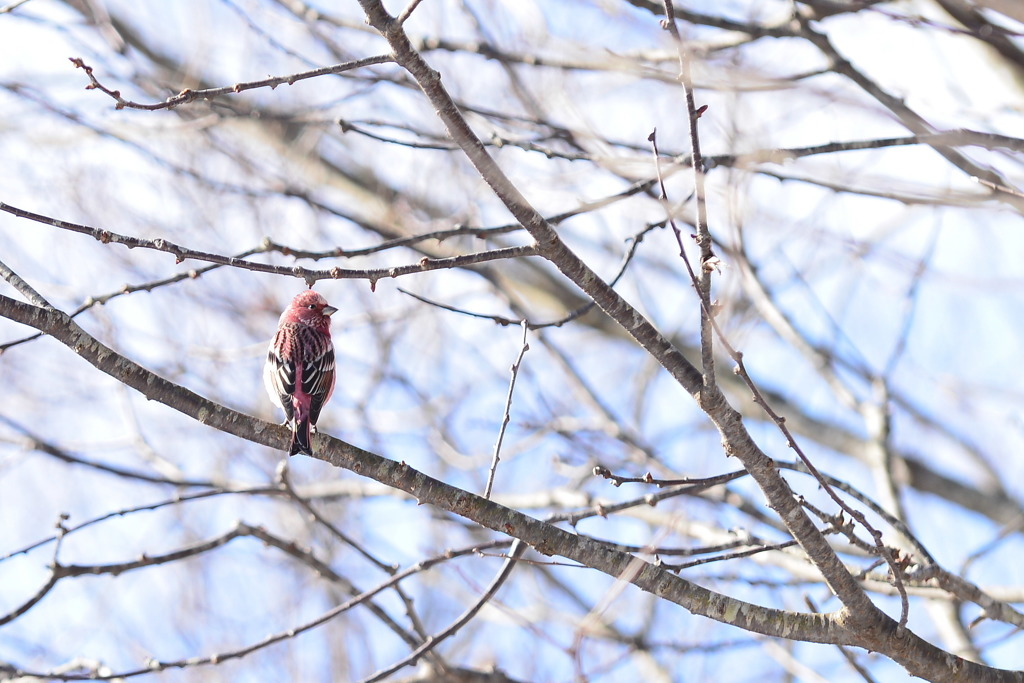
{"type": "Point", "coordinates": [861, 615]}
{"type": "Point", "coordinates": [729, 422]}
{"type": "Point", "coordinates": [544, 537]}
{"type": "Point", "coordinates": [839, 628]}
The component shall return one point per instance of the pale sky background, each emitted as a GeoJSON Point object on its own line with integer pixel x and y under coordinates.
{"type": "Point", "coordinates": [961, 364]}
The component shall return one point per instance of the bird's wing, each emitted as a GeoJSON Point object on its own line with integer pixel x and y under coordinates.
{"type": "Point", "coordinates": [318, 380]}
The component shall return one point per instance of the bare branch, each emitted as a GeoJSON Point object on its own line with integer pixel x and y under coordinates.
{"type": "Point", "coordinates": [506, 417]}
{"type": "Point", "coordinates": [310, 276]}
{"type": "Point", "coordinates": [187, 95]}
{"type": "Point", "coordinates": [518, 548]}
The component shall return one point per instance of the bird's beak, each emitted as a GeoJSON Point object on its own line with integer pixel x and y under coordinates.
{"type": "Point", "coordinates": [330, 310]}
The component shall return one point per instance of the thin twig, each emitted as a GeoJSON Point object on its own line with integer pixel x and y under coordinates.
{"type": "Point", "coordinates": [286, 483]}
{"type": "Point", "coordinates": [514, 553]}
{"type": "Point", "coordinates": [12, 6]}
{"type": "Point", "coordinates": [739, 554]}
{"type": "Point", "coordinates": [407, 12]}
{"type": "Point", "coordinates": [123, 512]}
{"type": "Point", "coordinates": [883, 550]}
{"type": "Point", "coordinates": [708, 314]}
{"type": "Point", "coordinates": [651, 499]}
{"type": "Point", "coordinates": [102, 299]}
{"type": "Point", "coordinates": [915, 122]}
{"type": "Point", "coordinates": [36, 443]}
{"type": "Point", "coordinates": [506, 418]}
{"type": "Point", "coordinates": [634, 243]}
{"type": "Point", "coordinates": [188, 95]}
{"type": "Point", "coordinates": [310, 276]}
{"type": "Point", "coordinates": [617, 480]}
{"type": "Point", "coordinates": [153, 665]}
{"type": "Point", "coordinates": [708, 260]}
{"type": "Point", "coordinates": [33, 600]}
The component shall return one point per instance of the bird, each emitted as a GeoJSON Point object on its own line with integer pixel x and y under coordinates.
{"type": "Point", "coordinates": [299, 372]}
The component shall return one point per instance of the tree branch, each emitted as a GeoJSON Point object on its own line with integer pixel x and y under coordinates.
{"type": "Point", "coordinates": [187, 95]}
{"type": "Point", "coordinates": [544, 537]}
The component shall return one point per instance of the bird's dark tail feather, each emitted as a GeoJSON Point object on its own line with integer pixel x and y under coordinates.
{"type": "Point", "coordinates": [300, 439]}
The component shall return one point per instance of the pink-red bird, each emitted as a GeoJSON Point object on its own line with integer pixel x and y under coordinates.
{"type": "Point", "coordinates": [299, 373]}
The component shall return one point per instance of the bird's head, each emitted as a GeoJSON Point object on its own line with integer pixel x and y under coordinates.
{"type": "Point", "coordinates": [309, 307]}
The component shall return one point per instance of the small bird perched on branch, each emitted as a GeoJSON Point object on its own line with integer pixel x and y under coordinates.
{"type": "Point", "coordinates": [299, 374]}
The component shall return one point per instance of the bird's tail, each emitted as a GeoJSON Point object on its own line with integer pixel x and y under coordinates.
{"type": "Point", "coordinates": [301, 438]}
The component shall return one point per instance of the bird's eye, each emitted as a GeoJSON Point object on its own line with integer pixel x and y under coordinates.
{"type": "Point", "coordinates": [311, 307]}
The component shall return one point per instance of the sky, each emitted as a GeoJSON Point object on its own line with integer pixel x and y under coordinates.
{"type": "Point", "coordinates": [870, 279]}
